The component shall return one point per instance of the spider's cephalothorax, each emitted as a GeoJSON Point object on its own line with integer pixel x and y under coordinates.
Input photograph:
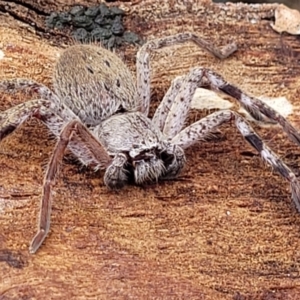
{"type": "Point", "coordinates": [146, 153]}
{"type": "Point", "coordinates": [101, 115]}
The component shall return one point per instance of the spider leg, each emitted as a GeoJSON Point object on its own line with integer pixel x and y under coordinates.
{"type": "Point", "coordinates": [115, 175]}
{"type": "Point", "coordinates": [20, 84]}
{"type": "Point", "coordinates": [15, 116]}
{"type": "Point", "coordinates": [180, 106]}
{"type": "Point", "coordinates": [143, 60]}
{"type": "Point", "coordinates": [48, 101]}
{"type": "Point", "coordinates": [174, 112]}
{"type": "Point", "coordinates": [201, 129]}
{"type": "Point", "coordinates": [82, 143]}
{"type": "Point", "coordinates": [165, 105]}
{"type": "Point", "coordinates": [253, 105]}
{"type": "Point", "coordinates": [53, 117]}
{"type": "Point", "coordinates": [74, 126]}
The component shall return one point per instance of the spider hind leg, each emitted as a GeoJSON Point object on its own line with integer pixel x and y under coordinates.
{"type": "Point", "coordinates": [12, 118]}
{"type": "Point", "coordinates": [74, 127]}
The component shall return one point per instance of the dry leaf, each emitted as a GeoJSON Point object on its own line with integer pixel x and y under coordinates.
{"type": "Point", "coordinates": [286, 20]}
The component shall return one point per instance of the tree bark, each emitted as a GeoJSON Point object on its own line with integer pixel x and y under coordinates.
{"type": "Point", "coordinates": [225, 229]}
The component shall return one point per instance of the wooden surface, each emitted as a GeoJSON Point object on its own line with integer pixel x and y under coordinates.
{"type": "Point", "coordinates": [226, 229]}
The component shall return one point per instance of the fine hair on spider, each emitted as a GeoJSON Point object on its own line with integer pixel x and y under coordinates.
{"type": "Point", "coordinates": [100, 114]}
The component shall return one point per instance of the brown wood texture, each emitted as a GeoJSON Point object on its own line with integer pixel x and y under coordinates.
{"type": "Point", "coordinates": [226, 229]}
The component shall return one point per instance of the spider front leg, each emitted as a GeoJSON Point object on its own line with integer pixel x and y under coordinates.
{"type": "Point", "coordinates": [100, 154]}
{"type": "Point", "coordinates": [143, 60]}
{"type": "Point", "coordinates": [171, 113]}
{"type": "Point", "coordinates": [161, 113]}
{"type": "Point", "coordinates": [200, 130]}
{"type": "Point", "coordinates": [74, 134]}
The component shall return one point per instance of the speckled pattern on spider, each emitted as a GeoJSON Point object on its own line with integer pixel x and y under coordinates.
{"type": "Point", "coordinates": [101, 115]}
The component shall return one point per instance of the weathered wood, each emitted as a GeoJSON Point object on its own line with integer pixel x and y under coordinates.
{"type": "Point", "coordinates": [225, 229]}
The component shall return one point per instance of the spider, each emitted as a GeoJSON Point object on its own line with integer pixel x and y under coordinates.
{"type": "Point", "coordinates": [100, 114]}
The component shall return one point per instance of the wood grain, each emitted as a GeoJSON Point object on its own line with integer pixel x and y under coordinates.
{"type": "Point", "coordinates": [226, 229]}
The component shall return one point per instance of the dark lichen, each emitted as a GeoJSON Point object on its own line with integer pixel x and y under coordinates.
{"type": "Point", "coordinates": [95, 23]}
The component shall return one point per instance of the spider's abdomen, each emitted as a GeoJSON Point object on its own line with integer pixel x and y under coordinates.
{"type": "Point", "coordinates": [94, 83]}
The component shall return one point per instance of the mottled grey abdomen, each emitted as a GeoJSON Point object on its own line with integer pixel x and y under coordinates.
{"type": "Point", "coordinates": [94, 83]}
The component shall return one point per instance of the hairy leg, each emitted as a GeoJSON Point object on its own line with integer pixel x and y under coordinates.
{"type": "Point", "coordinates": [253, 105]}
{"type": "Point", "coordinates": [200, 130]}
{"type": "Point", "coordinates": [12, 86]}
{"type": "Point", "coordinates": [73, 127]}
{"type": "Point", "coordinates": [165, 105]}
{"type": "Point", "coordinates": [115, 175]}
{"type": "Point", "coordinates": [23, 84]}
{"type": "Point", "coordinates": [143, 60]}
{"type": "Point", "coordinates": [15, 116]}
{"type": "Point", "coordinates": [173, 112]}
{"type": "Point", "coordinates": [181, 104]}
{"type": "Point", "coordinates": [53, 117]}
